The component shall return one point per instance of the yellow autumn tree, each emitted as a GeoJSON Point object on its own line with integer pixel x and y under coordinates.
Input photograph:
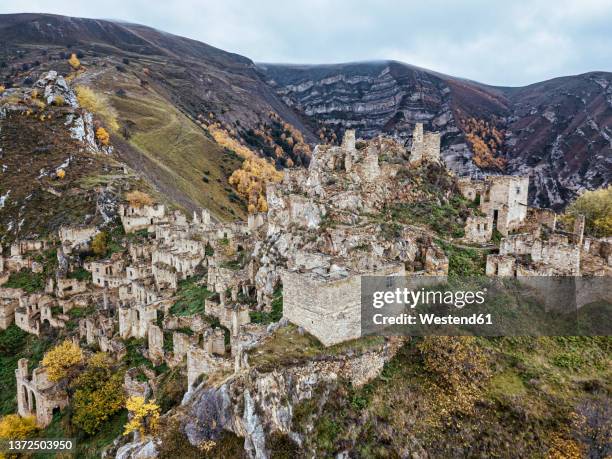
{"type": "Point", "coordinates": [486, 142]}
{"type": "Point", "coordinates": [596, 206]}
{"type": "Point", "coordinates": [99, 243]}
{"type": "Point", "coordinates": [251, 179]}
{"type": "Point", "coordinates": [102, 136]}
{"type": "Point", "coordinates": [144, 416]}
{"type": "Point", "coordinates": [255, 173]}
{"type": "Point", "coordinates": [98, 394]}
{"type": "Point", "coordinates": [14, 427]}
{"type": "Point", "coordinates": [74, 61]}
{"type": "Point", "coordinates": [61, 173]}
{"type": "Point", "coordinates": [61, 359]}
{"type": "Point", "coordinates": [2, 89]}
{"type": "Point", "coordinates": [138, 199]}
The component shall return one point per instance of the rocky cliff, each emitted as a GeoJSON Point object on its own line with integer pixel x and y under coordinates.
{"type": "Point", "coordinates": [557, 131]}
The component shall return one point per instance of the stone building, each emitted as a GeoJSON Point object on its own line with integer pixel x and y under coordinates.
{"type": "Point", "coordinates": [425, 146]}
{"type": "Point", "coordinates": [502, 204]}
{"type": "Point", "coordinates": [108, 273]}
{"type": "Point", "coordinates": [9, 302]}
{"type": "Point", "coordinates": [139, 218]}
{"type": "Point", "coordinates": [36, 395]}
{"type": "Point", "coordinates": [76, 238]}
{"type": "Point", "coordinates": [329, 309]}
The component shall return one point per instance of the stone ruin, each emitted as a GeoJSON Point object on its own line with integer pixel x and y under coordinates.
{"type": "Point", "coordinates": [141, 218]}
{"type": "Point", "coordinates": [320, 238]}
{"type": "Point", "coordinates": [502, 203]}
{"type": "Point", "coordinates": [425, 146]}
{"type": "Point", "coordinates": [317, 240]}
{"type": "Point", "coordinates": [36, 395]}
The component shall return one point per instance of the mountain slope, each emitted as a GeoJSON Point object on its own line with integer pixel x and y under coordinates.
{"type": "Point", "coordinates": [561, 128]}
{"type": "Point", "coordinates": [160, 86]}
{"type": "Point", "coordinates": [558, 131]}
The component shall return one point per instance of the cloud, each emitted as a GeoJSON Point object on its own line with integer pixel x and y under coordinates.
{"type": "Point", "coordinates": [503, 43]}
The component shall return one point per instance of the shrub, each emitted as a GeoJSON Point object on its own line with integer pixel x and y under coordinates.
{"type": "Point", "coordinates": [14, 427]}
{"type": "Point", "coordinates": [103, 136]}
{"type": "Point", "coordinates": [138, 199]}
{"type": "Point", "coordinates": [74, 61]}
{"type": "Point", "coordinates": [99, 244]}
{"type": "Point", "coordinates": [458, 366]}
{"type": "Point", "coordinates": [61, 359]}
{"type": "Point", "coordinates": [144, 416]}
{"type": "Point", "coordinates": [98, 395]}
{"type": "Point", "coordinates": [596, 206]}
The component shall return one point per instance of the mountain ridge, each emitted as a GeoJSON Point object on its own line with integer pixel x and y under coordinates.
{"type": "Point", "coordinates": [558, 131]}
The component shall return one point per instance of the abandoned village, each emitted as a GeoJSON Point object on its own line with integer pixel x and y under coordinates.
{"type": "Point", "coordinates": [325, 227]}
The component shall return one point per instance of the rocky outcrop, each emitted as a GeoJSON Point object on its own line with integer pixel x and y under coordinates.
{"type": "Point", "coordinates": [256, 403]}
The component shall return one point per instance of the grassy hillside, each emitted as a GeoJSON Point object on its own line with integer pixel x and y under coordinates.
{"type": "Point", "coordinates": [171, 150]}
{"type": "Point", "coordinates": [541, 397]}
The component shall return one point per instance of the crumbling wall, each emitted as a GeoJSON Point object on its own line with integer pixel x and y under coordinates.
{"type": "Point", "coordinates": [329, 310]}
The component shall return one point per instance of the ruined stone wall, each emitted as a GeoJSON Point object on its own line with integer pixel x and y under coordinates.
{"type": "Point", "coordinates": [137, 272]}
{"type": "Point", "coordinates": [505, 199]}
{"type": "Point", "coordinates": [73, 236]}
{"type": "Point", "coordinates": [135, 321]}
{"type": "Point", "coordinates": [36, 395]}
{"type": "Point", "coordinates": [9, 301]}
{"type": "Point", "coordinates": [471, 189]}
{"type": "Point", "coordinates": [425, 147]}
{"type": "Point", "coordinates": [331, 311]}
{"type": "Point", "coordinates": [156, 344]}
{"type": "Point", "coordinates": [478, 229]}
{"type": "Point", "coordinates": [200, 362]}
{"type": "Point", "coordinates": [500, 265]}
{"type": "Point", "coordinates": [165, 276]}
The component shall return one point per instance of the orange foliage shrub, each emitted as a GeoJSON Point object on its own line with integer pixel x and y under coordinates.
{"type": "Point", "coordinates": [102, 136]}
{"type": "Point", "coordinates": [486, 142]}
{"type": "Point", "coordinates": [138, 199]}
{"type": "Point", "coordinates": [74, 61]}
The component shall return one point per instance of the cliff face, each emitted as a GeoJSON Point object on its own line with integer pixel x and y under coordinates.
{"type": "Point", "coordinates": [558, 131]}
{"type": "Point", "coordinates": [374, 98]}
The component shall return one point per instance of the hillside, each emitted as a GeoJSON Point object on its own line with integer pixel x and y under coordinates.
{"type": "Point", "coordinates": [557, 131]}
{"type": "Point", "coordinates": [560, 129]}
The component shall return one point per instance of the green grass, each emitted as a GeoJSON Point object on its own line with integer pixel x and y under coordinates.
{"type": "Point", "coordinates": [276, 314]}
{"type": "Point", "coordinates": [535, 386]}
{"type": "Point", "coordinates": [462, 261]}
{"type": "Point", "coordinates": [87, 446]}
{"type": "Point", "coordinates": [446, 219]}
{"type": "Point", "coordinates": [191, 296]}
{"type": "Point", "coordinates": [179, 149]}
{"type": "Point", "coordinates": [80, 274]}
{"type": "Point", "coordinates": [27, 280]}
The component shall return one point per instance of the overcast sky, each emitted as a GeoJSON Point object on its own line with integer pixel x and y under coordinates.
{"type": "Point", "coordinates": [501, 42]}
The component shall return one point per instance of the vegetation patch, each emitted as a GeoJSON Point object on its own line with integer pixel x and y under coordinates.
{"type": "Point", "coordinates": [27, 280]}
{"type": "Point", "coordinates": [191, 295]}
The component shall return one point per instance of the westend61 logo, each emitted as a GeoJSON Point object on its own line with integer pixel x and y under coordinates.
{"type": "Point", "coordinates": [406, 299]}
{"type": "Point", "coordinates": [412, 298]}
